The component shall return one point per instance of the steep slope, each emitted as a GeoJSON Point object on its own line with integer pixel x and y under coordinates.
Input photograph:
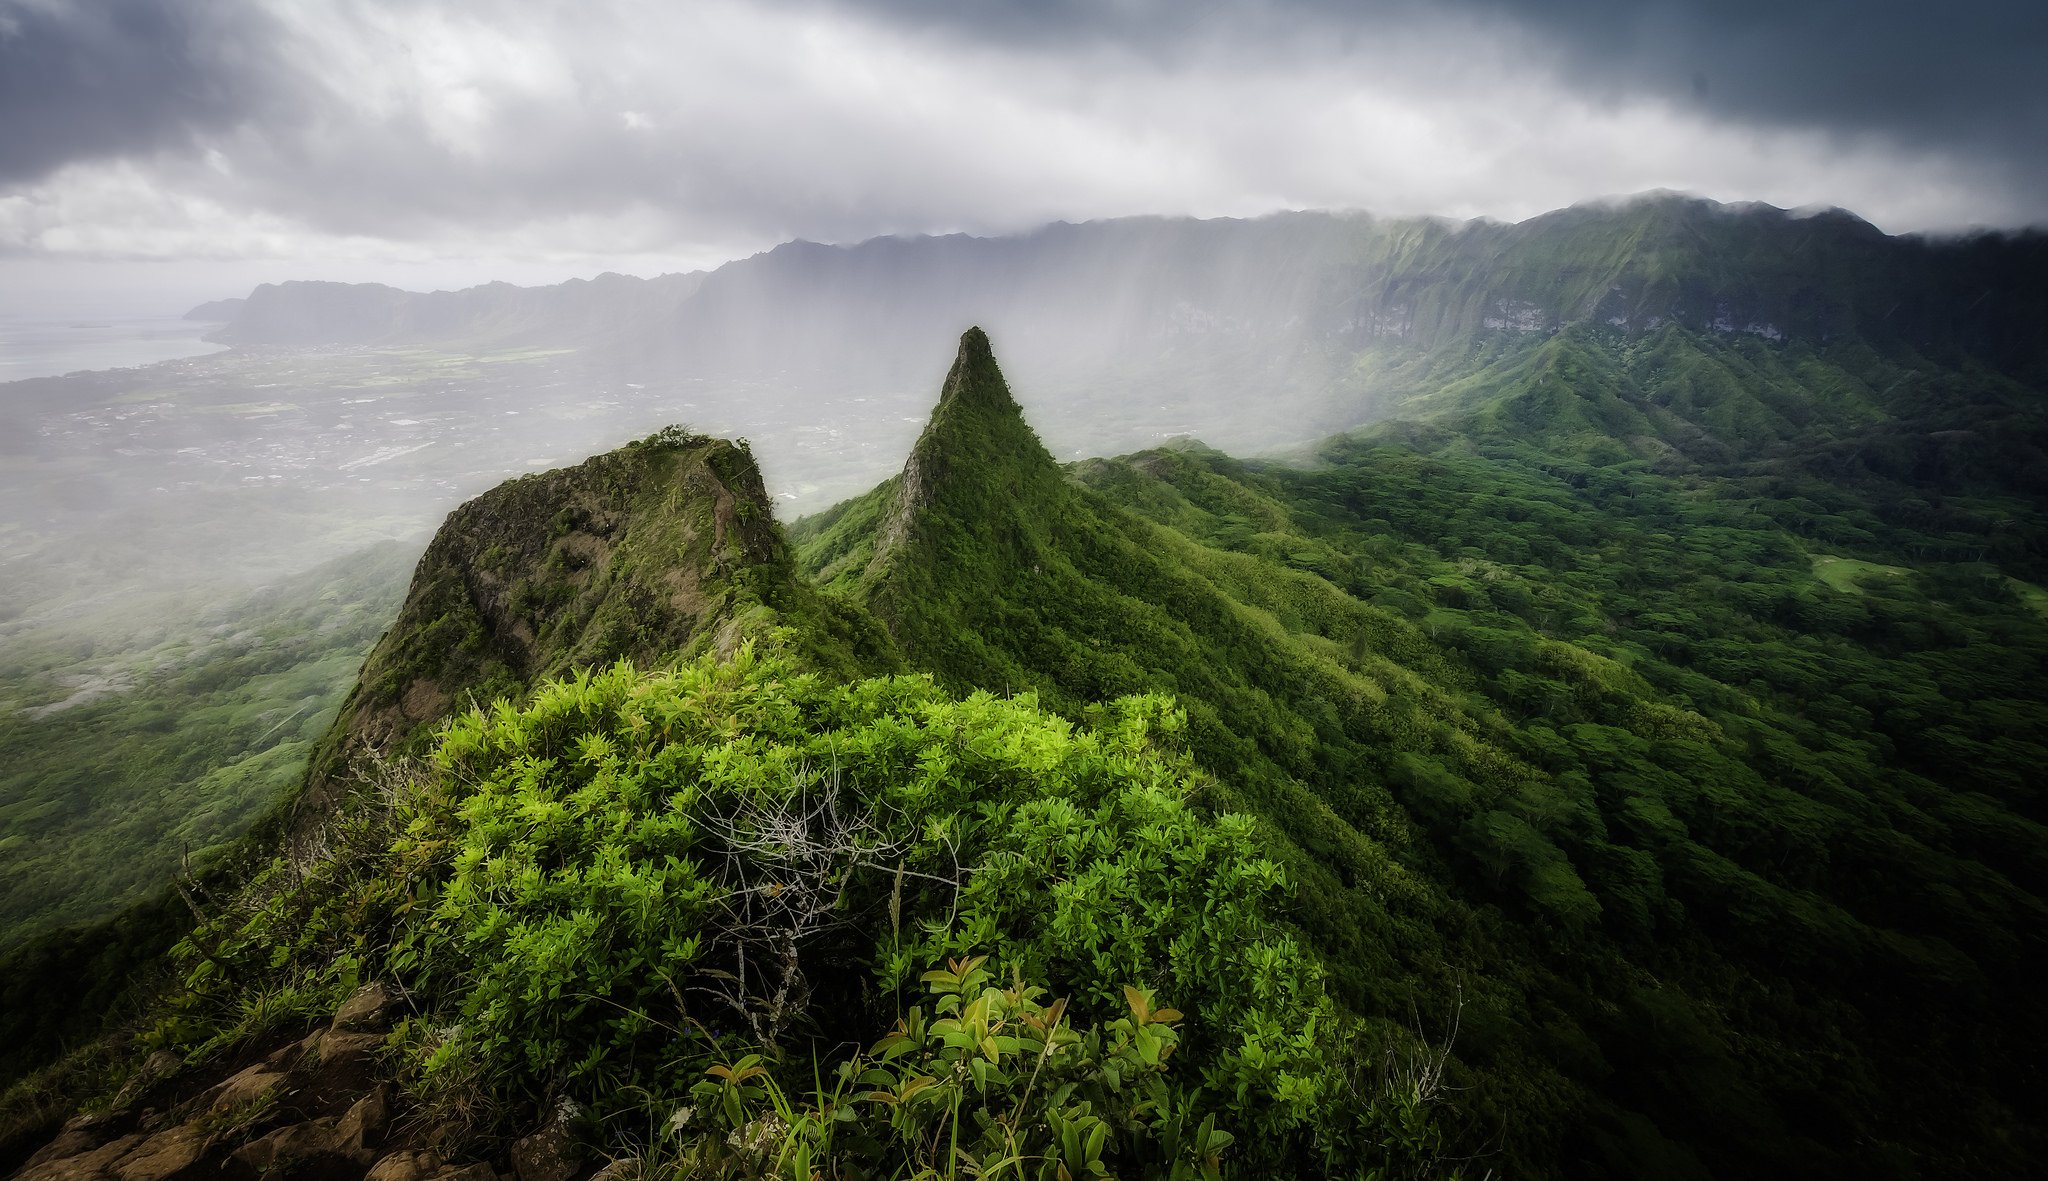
{"type": "Point", "coordinates": [1309, 277]}
{"type": "Point", "coordinates": [1954, 458]}
{"type": "Point", "coordinates": [1538, 730]}
{"type": "Point", "coordinates": [1658, 723]}
{"type": "Point", "coordinates": [617, 887]}
{"type": "Point", "coordinates": [1844, 743]}
{"type": "Point", "coordinates": [992, 569]}
{"type": "Point", "coordinates": [978, 504]}
{"type": "Point", "coordinates": [658, 551]}
{"type": "Point", "coordinates": [139, 746]}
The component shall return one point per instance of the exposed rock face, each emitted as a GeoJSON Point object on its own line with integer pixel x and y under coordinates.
{"type": "Point", "coordinates": [549, 1154]}
{"type": "Point", "coordinates": [1202, 298]}
{"type": "Point", "coordinates": [630, 554]}
{"type": "Point", "coordinates": [369, 1010]}
{"type": "Point", "coordinates": [313, 1108]}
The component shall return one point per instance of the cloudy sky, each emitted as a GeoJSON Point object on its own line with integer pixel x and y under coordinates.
{"type": "Point", "coordinates": [201, 145]}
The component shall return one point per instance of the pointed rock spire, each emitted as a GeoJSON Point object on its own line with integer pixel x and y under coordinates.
{"type": "Point", "coordinates": [976, 412]}
{"type": "Point", "coordinates": [974, 376]}
{"type": "Point", "coordinates": [978, 469]}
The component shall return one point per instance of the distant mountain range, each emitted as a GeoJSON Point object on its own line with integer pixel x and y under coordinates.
{"type": "Point", "coordinates": [1134, 329]}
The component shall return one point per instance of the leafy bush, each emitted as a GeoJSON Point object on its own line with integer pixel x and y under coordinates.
{"type": "Point", "coordinates": [638, 876]}
{"type": "Point", "coordinates": [994, 1083]}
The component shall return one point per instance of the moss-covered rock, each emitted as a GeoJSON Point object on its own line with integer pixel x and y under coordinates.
{"type": "Point", "coordinates": [656, 552]}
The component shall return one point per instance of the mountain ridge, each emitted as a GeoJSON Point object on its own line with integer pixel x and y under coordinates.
{"type": "Point", "coordinates": [1368, 728]}
{"type": "Point", "coordinates": [659, 551]}
{"type": "Point", "coordinates": [1653, 718]}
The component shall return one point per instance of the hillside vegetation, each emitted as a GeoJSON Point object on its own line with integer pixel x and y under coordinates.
{"type": "Point", "coordinates": [136, 741]}
{"type": "Point", "coordinates": [1550, 728]}
{"type": "Point", "coordinates": [1624, 763]}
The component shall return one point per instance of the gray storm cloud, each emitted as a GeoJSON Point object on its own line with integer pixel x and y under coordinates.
{"type": "Point", "coordinates": [101, 78]}
{"type": "Point", "coordinates": [415, 129]}
{"type": "Point", "coordinates": [1920, 72]}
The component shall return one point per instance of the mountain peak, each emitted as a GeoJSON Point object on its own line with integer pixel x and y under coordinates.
{"type": "Point", "coordinates": [976, 442]}
{"type": "Point", "coordinates": [978, 467]}
{"type": "Point", "coordinates": [981, 521]}
{"type": "Point", "coordinates": [976, 381]}
{"type": "Point", "coordinates": [979, 505]}
{"type": "Point", "coordinates": [975, 350]}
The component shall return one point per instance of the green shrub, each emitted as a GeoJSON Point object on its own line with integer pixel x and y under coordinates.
{"type": "Point", "coordinates": [638, 876]}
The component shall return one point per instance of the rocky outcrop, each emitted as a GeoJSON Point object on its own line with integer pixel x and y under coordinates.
{"type": "Point", "coordinates": [660, 551]}
{"type": "Point", "coordinates": [645, 553]}
{"type": "Point", "coordinates": [316, 1107]}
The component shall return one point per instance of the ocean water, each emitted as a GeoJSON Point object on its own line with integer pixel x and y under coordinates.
{"type": "Point", "coordinates": [38, 346]}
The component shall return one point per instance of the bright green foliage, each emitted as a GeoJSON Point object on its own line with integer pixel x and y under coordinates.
{"type": "Point", "coordinates": [1659, 708]}
{"type": "Point", "coordinates": [993, 1083]}
{"type": "Point", "coordinates": [637, 875]}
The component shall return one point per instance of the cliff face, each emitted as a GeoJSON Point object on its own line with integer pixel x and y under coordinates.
{"type": "Point", "coordinates": [656, 552]}
{"type": "Point", "coordinates": [1251, 335]}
